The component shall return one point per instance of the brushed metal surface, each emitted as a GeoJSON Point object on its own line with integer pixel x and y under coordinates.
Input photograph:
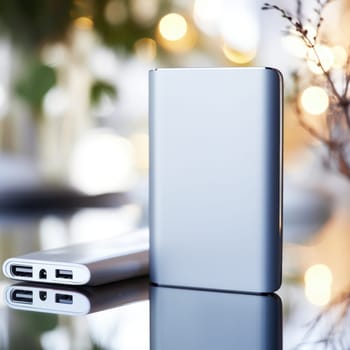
{"type": "Point", "coordinates": [215, 178]}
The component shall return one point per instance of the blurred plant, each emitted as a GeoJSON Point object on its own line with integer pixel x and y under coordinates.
{"type": "Point", "coordinates": [329, 329]}
{"type": "Point", "coordinates": [39, 75]}
{"type": "Point", "coordinates": [36, 24]}
{"type": "Point", "coordinates": [334, 105]}
{"type": "Point", "coordinates": [101, 88]}
{"type": "Point", "coordinates": [32, 24]}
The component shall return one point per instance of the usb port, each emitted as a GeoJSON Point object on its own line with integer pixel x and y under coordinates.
{"type": "Point", "coordinates": [22, 296]}
{"type": "Point", "coordinates": [21, 270]}
{"type": "Point", "coordinates": [67, 274]}
{"type": "Point", "coordinates": [64, 298]}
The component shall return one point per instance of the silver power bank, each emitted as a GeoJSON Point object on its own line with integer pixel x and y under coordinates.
{"type": "Point", "coordinates": [69, 300]}
{"type": "Point", "coordinates": [205, 320]}
{"type": "Point", "coordinates": [93, 263]}
{"type": "Point", "coordinates": [216, 178]}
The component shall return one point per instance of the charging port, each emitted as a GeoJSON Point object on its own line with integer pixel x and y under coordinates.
{"type": "Point", "coordinates": [42, 274]}
{"type": "Point", "coordinates": [22, 296]}
{"type": "Point", "coordinates": [42, 295]}
{"type": "Point", "coordinates": [21, 271]}
{"type": "Point", "coordinates": [66, 274]}
{"type": "Point", "coordinates": [64, 298]}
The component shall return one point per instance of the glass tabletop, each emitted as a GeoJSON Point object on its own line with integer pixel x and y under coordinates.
{"type": "Point", "coordinates": [135, 314]}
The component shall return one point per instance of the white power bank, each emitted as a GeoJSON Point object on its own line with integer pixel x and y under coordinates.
{"type": "Point", "coordinates": [94, 263]}
{"type": "Point", "coordinates": [68, 300]}
{"type": "Point", "coordinates": [216, 178]}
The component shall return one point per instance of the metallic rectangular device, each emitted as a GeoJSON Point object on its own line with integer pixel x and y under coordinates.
{"type": "Point", "coordinates": [216, 178]}
{"type": "Point", "coordinates": [207, 320]}
{"type": "Point", "coordinates": [72, 300]}
{"type": "Point", "coordinates": [113, 259]}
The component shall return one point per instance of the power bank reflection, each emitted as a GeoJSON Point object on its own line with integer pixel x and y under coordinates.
{"type": "Point", "coordinates": [75, 301]}
{"type": "Point", "coordinates": [205, 320]}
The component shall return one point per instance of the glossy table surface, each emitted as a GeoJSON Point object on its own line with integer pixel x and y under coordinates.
{"type": "Point", "coordinates": [137, 315]}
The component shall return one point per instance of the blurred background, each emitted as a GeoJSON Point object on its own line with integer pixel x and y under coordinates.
{"type": "Point", "coordinates": [74, 125]}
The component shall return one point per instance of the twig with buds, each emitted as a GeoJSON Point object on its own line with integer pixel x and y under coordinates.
{"type": "Point", "coordinates": [338, 114]}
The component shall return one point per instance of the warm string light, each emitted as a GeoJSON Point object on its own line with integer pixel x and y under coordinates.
{"type": "Point", "coordinates": [238, 57]}
{"type": "Point", "coordinates": [146, 48]}
{"type": "Point", "coordinates": [340, 56]}
{"type": "Point", "coordinates": [172, 27]}
{"type": "Point", "coordinates": [206, 15]}
{"type": "Point", "coordinates": [234, 23]}
{"type": "Point", "coordinates": [143, 11]}
{"type": "Point", "coordinates": [175, 34]}
{"type": "Point", "coordinates": [318, 283]}
{"type": "Point", "coordinates": [239, 29]}
{"type": "Point", "coordinates": [295, 45]}
{"type": "Point", "coordinates": [83, 23]}
{"type": "Point", "coordinates": [115, 12]}
{"type": "Point", "coordinates": [330, 57]}
{"type": "Point", "coordinates": [320, 56]}
{"type": "Point", "coordinates": [314, 100]}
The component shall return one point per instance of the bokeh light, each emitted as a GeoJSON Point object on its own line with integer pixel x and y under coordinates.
{"type": "Point", "coordinates": [294, 43]}
{"type": "Point", "coordinates": [144, 11]}
{"type": "Point", "coordinates": [324, 54]}
{"type": "Point", "coordinates": [206, 14]}
{"type": "Point", "coordinates": [108, 222]}
{"type": "Point", "coordinates": [340, 56]}
{"type": "Point", "coordinates": [175, 34]}
{"type": "Point", "coordinates": [115, 12]}
{"type": "Point", "coordinates": [295, 46]}
{"type": "Point", "coordinates": [318, 282]}
{"type": "Point", "coordinates": [238, 57]}
{"type": "Point", "coordinates": [84, 23]}
{"type": "Point", "coordinates": [56, 102]}
{"type": "Point", "coordinates": [53, 232]}
{"type": "Point", "coordinates": [140, 142]}
{"type": "Point", "coordinates": [239, 28]}
{"type": "Point", "coordinates": [54, 55]}
{"type": "Point", "coordinates": [103, 64]}
{"type": "Point", "coordinates": [102, 162]}
{"type": "Point", "coordinates": [314, 100]}
{"type": "Point", "coordinates": [146, 49]}
{"type": "Point", "coordinates": [4, 101]}
{"type": "Point", "coordinates": [172, 27]}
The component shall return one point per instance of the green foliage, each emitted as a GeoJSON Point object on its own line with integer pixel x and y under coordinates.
{"type": "Point", "coordinates": [34, 84]}
{"type": "Point", "coordinates": [31, 24]}
{"type": "Point", "coordinates": [100, 88]}
{"type": "Point", "coordinates": [123, 35]}
{"type": "Point", "coordinates": [35, 22]}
